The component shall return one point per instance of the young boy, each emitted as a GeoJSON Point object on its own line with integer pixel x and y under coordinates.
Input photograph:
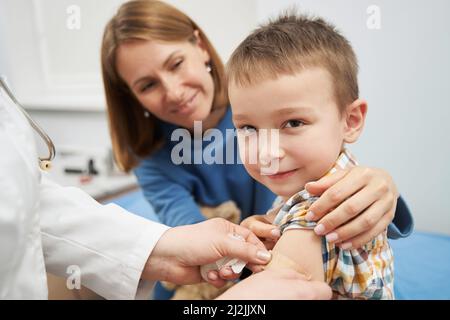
{"type": "Point", "coordinates": [297, 76]}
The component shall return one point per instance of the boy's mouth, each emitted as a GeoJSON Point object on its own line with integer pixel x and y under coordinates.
{"type": "Point", "coordinates": [281, 175]}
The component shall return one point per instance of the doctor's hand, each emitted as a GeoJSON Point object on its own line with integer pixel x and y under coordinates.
{"type": "Point", "coordinates": [181, 251]}
{"type": "Point", "coordinates": [355, 205]}
{"type": "Point", "coordinates": [289, 284]}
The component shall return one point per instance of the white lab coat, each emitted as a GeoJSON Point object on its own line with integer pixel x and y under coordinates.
{"type": "Point", "coordinates": [48, 228]}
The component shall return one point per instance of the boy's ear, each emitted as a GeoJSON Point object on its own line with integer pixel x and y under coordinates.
{"type": "Point", "coordinates": [355, 116]}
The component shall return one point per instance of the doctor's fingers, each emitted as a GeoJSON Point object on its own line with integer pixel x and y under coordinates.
{"type": "Point", "coordinates": [221, 231]}
{"type": "Point", "coordinates": [243, 233]}
{"type": "Point", "coordinates": [215, 279]}
{"type": "Point", "coordinates": [228, 274]}
{"type": "Point", "coordinates": [255, 268]}
{"type": "Point", "coordinates": [252, 250]}
{"type": "Point", "coordinates": [270, 244]}
{"type": "Point", "coordinates": [218, 278]}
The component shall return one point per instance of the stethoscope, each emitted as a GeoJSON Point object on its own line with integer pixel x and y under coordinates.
{"type": "Point", "coordinates": [44, 163]}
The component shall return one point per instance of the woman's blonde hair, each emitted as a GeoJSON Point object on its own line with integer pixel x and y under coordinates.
{"type": "Point", "coordinates": [133, 135]}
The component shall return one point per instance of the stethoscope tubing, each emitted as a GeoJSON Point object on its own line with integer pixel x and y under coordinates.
{"type": "Point", "coordinates": [45, 163]}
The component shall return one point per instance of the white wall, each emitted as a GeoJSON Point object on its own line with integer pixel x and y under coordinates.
{"type": "Point", "coordinates": [70, 109]}
{"type": "Point", "coordinates": [405, 71]}
{"type": "Point", "coordinates": [56, 65]}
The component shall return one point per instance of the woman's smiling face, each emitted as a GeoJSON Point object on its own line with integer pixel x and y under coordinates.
{"type": "Point", "coordinates": [169, 79]}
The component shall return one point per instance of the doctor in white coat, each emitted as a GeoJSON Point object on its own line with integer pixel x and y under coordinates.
{"type": "Point", "coordinates": [48, 228]}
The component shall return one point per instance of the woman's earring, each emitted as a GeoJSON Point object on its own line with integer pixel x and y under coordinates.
{"type": "Point", "coordinates": [208, 67]}
{"type": "Point", "coordinates": [146, 114]}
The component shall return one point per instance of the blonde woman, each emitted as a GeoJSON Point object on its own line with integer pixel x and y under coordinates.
{"type": "Point", "coordinates": [161, 73]}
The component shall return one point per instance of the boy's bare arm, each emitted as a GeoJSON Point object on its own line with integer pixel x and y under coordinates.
{"type": "Point", "coordinates": [300, 250]}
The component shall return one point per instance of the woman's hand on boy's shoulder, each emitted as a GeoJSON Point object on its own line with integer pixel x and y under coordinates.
{"type": "Point", "coordinates": [355, 205]}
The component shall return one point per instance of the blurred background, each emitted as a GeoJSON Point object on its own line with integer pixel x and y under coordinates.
{"type": "Point", "coordinates": [52, 64]}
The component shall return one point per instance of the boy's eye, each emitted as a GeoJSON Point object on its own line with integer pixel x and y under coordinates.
{"type": "Point", "coordinates": [294, 124]}
{"type": "Point", "coordinates": [247, 130]}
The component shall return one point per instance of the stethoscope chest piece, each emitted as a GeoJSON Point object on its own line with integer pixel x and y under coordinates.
{"type": "Point", "coordinates": [45, 163]}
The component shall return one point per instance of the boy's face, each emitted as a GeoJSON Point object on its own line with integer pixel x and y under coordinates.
{"type": "Point", "coordinates": [303, 110]}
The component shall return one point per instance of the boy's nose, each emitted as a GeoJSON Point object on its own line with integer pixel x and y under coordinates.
{"type": "Point", "coordinates": [269, 149]}
{"type": "Point", "coordinates": [266, 157]}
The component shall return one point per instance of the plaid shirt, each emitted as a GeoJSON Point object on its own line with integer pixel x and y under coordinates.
{"type": "Point", "coordinates": [363, 273]}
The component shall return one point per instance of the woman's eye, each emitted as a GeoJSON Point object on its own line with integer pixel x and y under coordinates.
{"type": "Point", "coordinates": [147, 86]}
{"type": "Point", "coordinates": [177, 64]}
{"type": "Point", "coordinates": [294, 124]}
{"type": "Point", "coordinates": [247, 130]}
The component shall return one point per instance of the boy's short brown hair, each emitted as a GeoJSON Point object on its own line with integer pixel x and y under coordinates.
{"type": "Point", "coordinates": [291, 43]}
